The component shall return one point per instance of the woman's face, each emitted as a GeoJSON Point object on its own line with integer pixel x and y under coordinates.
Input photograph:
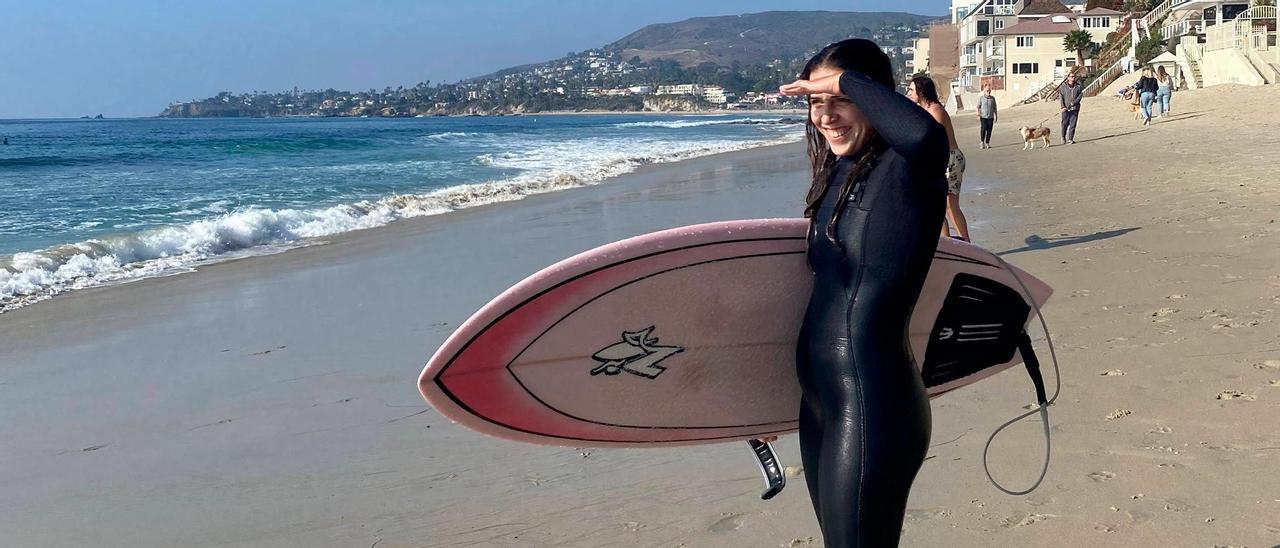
{"type": "Point", "coordinates": [842, 124]}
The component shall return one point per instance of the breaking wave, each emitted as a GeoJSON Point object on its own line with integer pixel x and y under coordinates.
{"type": "Point", "coordinates": [677, 124]}
{"type": "Point", "coordinates": [29, 277]}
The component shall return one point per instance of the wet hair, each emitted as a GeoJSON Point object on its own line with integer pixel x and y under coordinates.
{"type": "Point", "coordinates": [925, 89]}
{"type": "Point", "coordinates": [854, 54]}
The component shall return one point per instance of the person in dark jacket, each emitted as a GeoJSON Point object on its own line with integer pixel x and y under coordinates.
{"type": "Point", "coordinates": [1147, 87]}
{"type": "Point", "coordinates": [1069, 95]}
{"type": "Point", "coordinates": [875, 204]}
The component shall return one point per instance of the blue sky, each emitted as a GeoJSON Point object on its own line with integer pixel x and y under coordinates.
{"type": "Point", "coordinates": [133, 57]}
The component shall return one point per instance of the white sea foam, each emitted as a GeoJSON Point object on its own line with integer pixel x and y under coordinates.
{"type": "Point", "coordinates": [454, 135]}
{"type": "Point", "coordinates": [28, 277]}
{"type": "Point", "coordinates": [677, 124]}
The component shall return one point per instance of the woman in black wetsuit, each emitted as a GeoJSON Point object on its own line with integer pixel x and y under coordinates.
{"type": "Point", "coordinates": [876, 207]}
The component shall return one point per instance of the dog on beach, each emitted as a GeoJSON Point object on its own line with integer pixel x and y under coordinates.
{"type": "Point", "coordinates": [1131, 95]}
{"type": "Point", "coordinates": [1032, 134]}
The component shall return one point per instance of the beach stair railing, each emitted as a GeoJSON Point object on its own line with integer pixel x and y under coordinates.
{"type": "Point", "coordinates": [1104, 79]}
{"type": "Point", "coordinates": [1050, 90]}
{"type": "Point", "coordinates": [1193, 24]}
{"type": "Point", "coordinates": [1156, 14]}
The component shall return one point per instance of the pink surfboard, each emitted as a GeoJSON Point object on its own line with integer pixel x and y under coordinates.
{"type": "Point", "coordinates": [688, 336]}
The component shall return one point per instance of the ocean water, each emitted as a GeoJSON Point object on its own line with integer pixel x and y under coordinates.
{"type": "Point", "coordinates": [89, 202]}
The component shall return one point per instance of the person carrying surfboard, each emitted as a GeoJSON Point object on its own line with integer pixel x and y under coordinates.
{"type": "Point", "coordinates": [875, 204]}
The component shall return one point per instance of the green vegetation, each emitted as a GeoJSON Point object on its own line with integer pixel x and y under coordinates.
{"type": "Point", "coordinates": [1148, 48]}
{"type": "Point", "coordinates": [1077, 41]}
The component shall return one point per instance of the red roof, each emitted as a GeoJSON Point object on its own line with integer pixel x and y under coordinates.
{"type": "Point", "coordinates": [1101, 11]}
{"type": "Point", "coordinates": [1044, 7]}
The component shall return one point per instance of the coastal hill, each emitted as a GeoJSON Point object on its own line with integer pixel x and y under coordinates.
{"type": "Point", "coordinates": [757, 38]}
{"type": "Point", "coordinates": [696, 64]}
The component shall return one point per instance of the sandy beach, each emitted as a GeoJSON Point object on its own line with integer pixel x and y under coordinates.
{"type": "Point", "coordinates": [271, 401]}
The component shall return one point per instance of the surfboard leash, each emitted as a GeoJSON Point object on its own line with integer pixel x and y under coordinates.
{"type": "Point", "coordinates": [1033, 369]}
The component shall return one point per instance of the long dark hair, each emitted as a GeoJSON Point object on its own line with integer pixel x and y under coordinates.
{"type": "Point", "coordinates": [854, 54]}
{"type": "Point", "coordinates": [925, 89]}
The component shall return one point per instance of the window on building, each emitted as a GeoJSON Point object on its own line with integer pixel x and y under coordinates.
{"type": "Point", "coordinates": [984, 28]}
{"type": "Point", "coordinates": [1097, 22]}
{"type": "Point", "coordinates": [1026, 68]}
{"type": "Point", "coordinates": [999, 24]}
{"type": "Point", "coordinates": [1000, 7]}
{"type": "Point", "coordinates": [1025, 41]}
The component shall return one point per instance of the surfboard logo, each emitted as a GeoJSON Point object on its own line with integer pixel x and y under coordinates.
{"type": "Point", "coordinates": [638, 354]}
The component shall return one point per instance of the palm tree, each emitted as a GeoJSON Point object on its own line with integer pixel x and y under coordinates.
{"type": "Point", "coordinates": [1078, 41]}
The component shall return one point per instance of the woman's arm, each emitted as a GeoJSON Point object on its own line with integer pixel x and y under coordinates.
{"type": "Point", "coordinates": [907, 128]}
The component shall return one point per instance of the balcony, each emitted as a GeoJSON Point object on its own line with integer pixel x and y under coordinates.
{"type": "Point", "coordinates": [969, 59]}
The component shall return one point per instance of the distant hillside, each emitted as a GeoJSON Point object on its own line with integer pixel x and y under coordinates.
{"type": "Point", "coordinates": [758, 38]}
{"type": "Point", "coordinates": [732, 62]}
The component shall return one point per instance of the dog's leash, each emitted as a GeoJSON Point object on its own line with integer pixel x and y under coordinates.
{"type": "Point", "coordinates": [1041, 122]}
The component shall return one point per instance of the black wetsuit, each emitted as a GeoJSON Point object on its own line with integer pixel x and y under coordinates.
{"type": "Point", "coordinates": [864, 420]}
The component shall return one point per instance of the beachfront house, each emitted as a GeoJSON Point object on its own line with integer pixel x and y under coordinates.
{"type": "Point", "coordinates": [1100, 22]}
{"type": "Point", "coordinates": [1033, 57]}
{"type": "Point", "coordinates": [1218, 42]}
{"type": "Point", "coordinates": [983, 47]}
{"type": "Point", "coordinates": [977, 53]}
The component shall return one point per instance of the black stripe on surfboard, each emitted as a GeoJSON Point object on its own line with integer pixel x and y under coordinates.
{"type": "Point", "coordinates": [949, 256]}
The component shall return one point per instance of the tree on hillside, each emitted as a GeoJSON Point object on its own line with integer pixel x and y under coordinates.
{"type": "Point", "coordinates": [1077, 41]}
{"type": "Point", "coordinates": [1148, 48]}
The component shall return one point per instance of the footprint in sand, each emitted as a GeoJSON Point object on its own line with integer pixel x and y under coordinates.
{"type": "Point", "coordinates": [1023, 519]}
{"type": "Point", "coordinates": [1162, 315]}
{"type": "Point", "coordinates": [926, 513]}
{"type": "Point", "coordinates": [1273, 365]}
{"type": "Point", "coordinates": [1138, 517]}
{"type": "Point", "coordinates": [730, 522]}
{"type": "Point", "coordinates": [1275, 383]}
{"type": "Point", "coordinates": [1161, 430]}
{"type": "Point", "coordinates": [1175, 505]}
{"type": "Point", "coordinates": [1176, 296]}
{"type": "Point", "coordinates": [1235, 395]}
{"type": "Point", "coordinates": [1112, 373]}
{"type": "Point", "coordinates": [1101, 476]}
{"type": "Point", "coordinates": [1118, 413]}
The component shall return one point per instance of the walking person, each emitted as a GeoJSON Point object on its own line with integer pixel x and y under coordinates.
{"type": "Point", "coordinates": [1147, 87]}
{"type": "Point", "coordinates": [1069, 95]}
{"type": "Point", "coordinates": [987, 117]}
{"type": "Point", "coordinates": [875, 206]}
{"type": "Point", "coordinates": [1164, 90]}
{"type": "Point", "coordinates": [923, 91]}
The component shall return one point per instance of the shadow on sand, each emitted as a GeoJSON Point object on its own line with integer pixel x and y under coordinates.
{"type": "Point", "coordinates": [1035, 242]}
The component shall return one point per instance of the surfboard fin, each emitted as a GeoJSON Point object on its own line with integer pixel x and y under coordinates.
{"type": "Point", "coordinates": [767, 460]}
